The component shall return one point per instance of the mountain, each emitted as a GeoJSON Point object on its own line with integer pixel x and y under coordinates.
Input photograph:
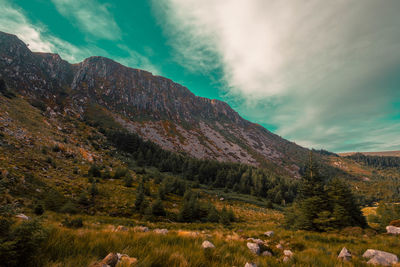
{"type": "Point", "coordinates": [154, 107]}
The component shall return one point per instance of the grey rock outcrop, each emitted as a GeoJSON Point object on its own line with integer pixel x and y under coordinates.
{"type": "Point", "coordinates": [378, 257]}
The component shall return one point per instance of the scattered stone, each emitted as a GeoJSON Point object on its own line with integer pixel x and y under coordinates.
{"type": "Point", "coordinates": [266, 253]}
{"type": "Point", "coordinates": [344, 255]}
{"type": "Point", "coordinates": [378, 257]}
{"type": "Point", "coordinates": [160, 231]}
{"type": "Point", "coordinates": [286, 259]}
{"type": "Point", "coordinates": [250, 264]}
{"type": "Point", "coordinates": [393, 230]}
{"type": "Point", "coordinates": [255, 248]}
{"type": "Point", "coordinates": [111, 259]}
{"type": "Point", "coordinates": [141, 229]}
{"type": "Point", "coordinates": [269, 233]}
{"type": "Point", "coordinates": [221, 199]}
{"type": "Point", "coordinates": [121, 228]}
{"type": "Point", "coordinates": [279, 246]}
{"type": "Point", "coordinates": [22, 216]}
{"type": "Point", "coordinates": [255, 240]}
{"type": "Point", "coordinates": [207, 244]}
{"type": "Point", "coordinates": [288, 253]}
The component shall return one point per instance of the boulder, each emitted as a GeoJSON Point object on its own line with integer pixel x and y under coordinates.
{"type": "Point", "coordinates": [279, 246]}
{"type": "Point", "coordinates": [286, 259]}
{"type": "Point", "coordinates": [378, 257]}
{"type": "Point", "coordinates": [393, 230]}
{"type": "Point", "coordinates": [22, 216]}
{"type": "Point", "coordinates": [250, 264]}
{"type": "Point", "coordinates": [160, 231]}
{"type": "Point", "coordinates": [207, 244]}
{"type": "Point", "coordinates": [254, 247]}
{"type": "Point", "coordinates": [269, 233]}
{"type": "Point", "coordinates": [141, 229]}
{"type": "Point", "coordinates": [344, 255]}
{"type": "Point", "coordinates": [266, 253]}
{"type": "Point", "coordinates": [288, 253]}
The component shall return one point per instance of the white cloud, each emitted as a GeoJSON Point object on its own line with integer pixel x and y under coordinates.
{"type": "Point", "coordinates": [307, 67]}
{"type": "Point", "coordinates": [90, 16]}
{"type": "Point", "coordinates": [14, 21]}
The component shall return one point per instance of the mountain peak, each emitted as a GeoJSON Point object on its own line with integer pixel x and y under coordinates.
{"type": "Point", "coordinates": [154, 107]}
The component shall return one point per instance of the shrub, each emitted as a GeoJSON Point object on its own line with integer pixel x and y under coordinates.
{"type": "Point", "coordinates": [120, 172]}
{"type": "Point", "coordinates": [69, 208]}
{"type": "Point", "coordinates": [94, 171]}
{"type": "Point", "coordinates": [38, 210]}
{"type": "Point", "coordinates": [128, 180]}
{"type": "Point", "coordinates": [73, 223]}
{"type": "Point", "coordinates": [54, 200]}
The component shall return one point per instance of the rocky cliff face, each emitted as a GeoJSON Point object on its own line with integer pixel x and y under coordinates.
{"type": "Point", "coordinates": [155, 107]}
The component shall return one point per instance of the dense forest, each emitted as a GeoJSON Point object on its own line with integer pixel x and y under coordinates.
{"type": "Point", "coordinates": [376, 161]}
{"type": "Point", "coordinates": [236, 177]}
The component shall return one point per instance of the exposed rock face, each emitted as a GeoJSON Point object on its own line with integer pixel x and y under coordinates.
{"type": "Point", "coordinates": [378, 257]}
{"type": "Point", "coordinates": [393, 230]}
{"type": "Point", "coordinates": [344, 255]}
{"type": "Point", "coordinates": [155, 107]}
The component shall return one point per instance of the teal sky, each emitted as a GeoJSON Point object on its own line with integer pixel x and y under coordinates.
{"type": "Point", "coordinates": [325, 75]}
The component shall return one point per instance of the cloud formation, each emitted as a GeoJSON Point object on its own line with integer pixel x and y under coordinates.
{"type": "Point", "coordinates": [13, 20]}
{"type": "Point", "coordinates": [90, 17]}
{"type": "Point", "coordinates": [318, 71]}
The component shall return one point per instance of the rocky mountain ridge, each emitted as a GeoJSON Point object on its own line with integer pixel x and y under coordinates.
{"type": "Point", "coordinates": [155, 107]}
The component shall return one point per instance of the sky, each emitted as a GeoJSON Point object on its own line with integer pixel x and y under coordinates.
{"type": "Point", "coordinates": [324, 74]}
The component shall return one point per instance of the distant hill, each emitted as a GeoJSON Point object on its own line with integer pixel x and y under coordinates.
{"type": "Point", "coordinates": [382, 153]}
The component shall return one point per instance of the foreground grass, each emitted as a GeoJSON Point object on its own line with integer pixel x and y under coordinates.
{"type": "Point", "coordinates": [181, 247]}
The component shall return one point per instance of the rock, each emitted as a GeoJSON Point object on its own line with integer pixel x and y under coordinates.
{"type": "Point", "coordinates": [393, 230]}
{"type": "Point", "coordinates": [286, 259]}
{"type": "Point", "coordinates": [120, 228]}
{"type": "Point", "coordinates": [344, 255]}
{"type": "Point", "coordinates": [378, 257]}
{"type": "Point", "coordinates": [266, 253]}
{"type": "Point", "coordinates": [288, 253]}
{"type": "Point", "coordinates": [221, 199]}
{"type": "Point", "coordinates": [269, 233]}
{"type": "Point", "coordinates": [141, 229]}
{"type": "Point", "coordinates": [250, 264]}
{"type": "Point", "coordinates": [22, 216]}
{"type": "Point", "coordinates": [207, 244]}
{"type": "Point", "coordinates": [255, 240]}
{"type": "Point", "coordinates": [125, 260]}
{"type": "Point", "coordinates": [279, 246]}
{"type": "Point", "coordinates": [111, 259]}
{"type": "Point", "coordinates": [160, 231]}
{"type": "Point", "coordinates": [255, 248]}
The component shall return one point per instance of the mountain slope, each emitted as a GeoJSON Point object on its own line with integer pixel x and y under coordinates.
{"type": "Point", "coordinates": [154, 107]}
